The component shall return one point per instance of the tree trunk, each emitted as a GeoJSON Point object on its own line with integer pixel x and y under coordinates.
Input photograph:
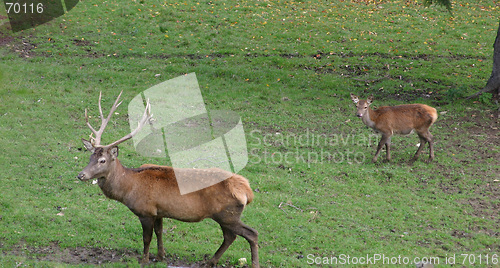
{"type": "Point", "coordinates": [493, 84]}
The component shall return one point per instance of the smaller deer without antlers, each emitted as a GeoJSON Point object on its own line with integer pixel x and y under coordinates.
{"type": "Point", "coordinates": [400, 119]}
{"type": "Point", "coordinates": [151, 192]}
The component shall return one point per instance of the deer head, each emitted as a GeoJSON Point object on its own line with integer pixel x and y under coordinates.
{"type": "Point", "coordinates": [361, 105]}
{"type": "Point", "coordinates": [102, 160]}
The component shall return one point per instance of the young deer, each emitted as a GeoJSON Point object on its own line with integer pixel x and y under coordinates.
{"type": "Point", "coordinates": [151, 192]}
{"type": "Point", "coordinates": [400, 119]}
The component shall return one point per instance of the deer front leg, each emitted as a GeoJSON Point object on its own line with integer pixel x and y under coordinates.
{"type": "Point", "coordinates": [159, 231]}
{"type": "Point", "coordinates": [147, 234]}
{"type": "Point", "coordinates": [385, 140]}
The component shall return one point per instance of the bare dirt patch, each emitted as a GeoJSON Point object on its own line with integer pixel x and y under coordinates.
{"type": "Point", "coordinates": [483, 127]}
{"type": "Point", "coordinates": [97, 256]}
{"type": "Point", "coordinates": [72, 256]}
{"type": "Point", "coordinates": [5, 30]}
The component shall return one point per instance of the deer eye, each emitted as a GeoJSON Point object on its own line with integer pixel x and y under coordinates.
{"type": "Point", "coordinates": [102, 161]}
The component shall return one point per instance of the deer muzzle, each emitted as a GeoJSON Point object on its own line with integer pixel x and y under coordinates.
{"type": "Point", "coordinates": [82, 176]}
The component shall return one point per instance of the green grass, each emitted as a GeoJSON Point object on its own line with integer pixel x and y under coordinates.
{"type": "Point", "coordinates": [287, 69]}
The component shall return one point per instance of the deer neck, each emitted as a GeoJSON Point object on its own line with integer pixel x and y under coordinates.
{"type": "Point", "coordinates": [369, 117]}
{"type": "Point", "coordinates": [116, 183]}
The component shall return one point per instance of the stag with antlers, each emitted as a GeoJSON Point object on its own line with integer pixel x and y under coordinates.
{"type": "Point", "coordinates": [151, 192]}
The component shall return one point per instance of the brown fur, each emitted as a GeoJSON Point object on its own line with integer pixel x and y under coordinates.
{"type": "Point", "coordinates": [236, 184]}
{"type": "Point", "coordinates": [152, 193]}
{"type": "Point", "coordinates": [400, 119]}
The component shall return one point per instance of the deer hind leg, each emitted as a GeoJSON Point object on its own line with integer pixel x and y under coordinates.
{"type": "Point", "coordinates": [147, 234]}
{"type": "Point", "coordinates": [388, 149]}
{"type": "Point", "coordinates": [252, 236]}
{"type": "Point", "coordinates": [429, 138]}
{"type": "Point", "coordinates": [158, 227]}
{"type": "Point", "coordinates": [229, 237]}
{"type": "Point", "coordinates": [431, 147]}
{"type": "Point", "coordinates": [247, 232]}
{"type": "Point", "coordinates": [420, 147]}
{"type": "Point", "coordinates": [232, 226]}
{"type": "Point", "coordinates": [425, 137]}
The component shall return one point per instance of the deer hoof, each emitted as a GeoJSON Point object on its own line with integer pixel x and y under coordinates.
{"type": "Point", "coordinates": [144, 261]}
{"type": "Point", "coordinates": [160, 257]}
{"type": "Point", "coordinates": [211, 263]}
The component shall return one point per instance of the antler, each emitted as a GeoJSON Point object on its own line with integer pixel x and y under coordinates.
{"type": "Point", "coordinates": [98, 134]}
{"type": "Point", "coordinates": [145, 118]}
{"type": "Point", "coordinates": [97, 140]}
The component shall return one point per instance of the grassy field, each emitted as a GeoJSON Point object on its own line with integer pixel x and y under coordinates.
{"type": "Point", "coordinates": [287, 68]}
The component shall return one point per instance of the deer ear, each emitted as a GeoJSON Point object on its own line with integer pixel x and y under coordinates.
{"type": "Point", "coordinates": [88, 145]}
{"type": "Point", "coordinates": [114, 152]}
{"type": "Point", "coordinates": [354, 98]}
{"type": "Point", "coordinates": [370, 99]}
